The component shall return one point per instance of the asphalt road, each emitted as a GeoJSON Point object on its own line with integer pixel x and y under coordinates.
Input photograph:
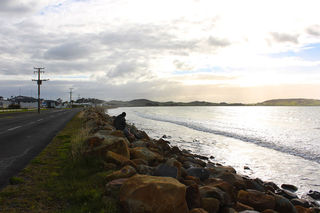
{"type": "Point", "coordinates": [24, 135]}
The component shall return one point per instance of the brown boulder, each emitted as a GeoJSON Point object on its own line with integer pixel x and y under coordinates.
{"type": "Point", "coordinates": [119, 160]}
{"type": "Point", "coordinates": [228, 189]}
{"type": "Point", "coordinates": [227, 210]}
{"type": "Point", "coordinates": [214, 192]}
{"type": "Point", "coordinates": [232, 179]}
{"type": "Point", "coordinates": [165, 170]}
{"type": "Point", "coordinates": [145, 154]}
{"type": "Point", "coordinates": [118, 145]}
{"type": "Point", "coordinates": [108, 127]}
{"type": "Point", "coordinates": [196, 161]}
{"type": "Point", "coordinates": [188, 182]}
{"type": "Point", "coordinates": [174, 163]}
{"type": "Point", "coordinates": [93, 142]}
{"type": "Point", "coordinates": [109, 166]}
{"type": "Point", "coordinates": [258, 200]}
{"type": "Point", "coordinates": [125, 172]}
{"type": "Point", "coordinates": [114, 186]}
{"type": "Point", "coordinates": [188, 164]}
{"type": "Point", "coordinates": [139, 143]}
{"type": "Point", "coordinates": [223, 169]}
{"type": "Point", "coordinates": [283, 205]}
{"type": "Point", "coordinates": [143, 193]}
{"type": "Point", "coordinates": [140, 161]}
{"type": "Point", "coordinates": [242, 207]}
{"type": "Point", "coordinates": [163, 145]}
{"type": "Point", "coordinates": [211, 205]}
{"type": "Point", "coordinates": [116, 158]}
{"type": "Point", "coordinates": [193, 196]}
{"type": "Point", "coordinates": [301, 209]}
{"type": "Point", "coordinates": [143, 135]}
{"type": "Point", "coordinates": [255, 184]}
{"type": "Point", "coordinates": [117, 133]}
{"type": "Point", "coordinates": [195, 179]}
{"type": "Point", "coordinates": [269, 211]}
{"type": "Point", "coordinates": [198, 210]}
{"type": "Point", "coordinates": [301, 202]}
{"type": "Point", "coordinates": [145, 170]}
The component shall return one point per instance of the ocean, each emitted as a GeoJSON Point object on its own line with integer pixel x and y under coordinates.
{"type": "Point", "coordinates": [279, 144]}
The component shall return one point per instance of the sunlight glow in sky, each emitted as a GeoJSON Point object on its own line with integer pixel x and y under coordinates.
{"type": "Point", "coordinates": [181, 50]}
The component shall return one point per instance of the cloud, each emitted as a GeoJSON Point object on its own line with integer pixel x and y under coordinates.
{"type": "Point", "coordinates": [129, 69]}
{"type": "Point", "coordinates": [218, 42]}
{"type": "Point", "coordinates": [314, 30]}
{"type": "Point", "coordinates": [284, 37]}
{"type": "Point", "coordinates": [144, 37]}
{"type": "Point", "coordinates": [180, 65]}
{"type": "Point", "coordinates": [68, 51]}
{"type": "Point", "coordinates": [16, 6]}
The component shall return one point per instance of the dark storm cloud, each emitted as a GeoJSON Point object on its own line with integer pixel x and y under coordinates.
{"type": "Point", "coordinates": [284, 37]}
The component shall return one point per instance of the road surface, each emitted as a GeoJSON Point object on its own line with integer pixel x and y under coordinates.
{"type": "Point", "coordinates": [24, 135]}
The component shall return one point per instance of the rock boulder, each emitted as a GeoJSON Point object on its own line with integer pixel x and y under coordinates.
{"type": "Point", "coordinates": [143, 193]}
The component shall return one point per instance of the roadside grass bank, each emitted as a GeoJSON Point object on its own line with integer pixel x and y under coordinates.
{"type": "Point", "coordinates": [6, 111]}
{"type": "Point", "coordinates": [60, 179]}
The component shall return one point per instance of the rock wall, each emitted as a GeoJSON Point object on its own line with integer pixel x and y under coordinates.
{"type": "Point", "coordinates": [152, 176]}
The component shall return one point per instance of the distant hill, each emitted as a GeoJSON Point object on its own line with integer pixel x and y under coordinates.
{"type": "Point", "coordinates": [89, 100]}
{"type": "Point", "coordinates": [273, 102]}
{"type": "Point", "coordinates": [290, 102]}
{"type": "Point", "coordinates": [145, 102]}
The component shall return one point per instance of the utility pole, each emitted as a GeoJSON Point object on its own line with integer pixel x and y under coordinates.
{"type": "Point", "coordinates": [70, 97]}
{"type": "Point", "coordinates": [39, 82]}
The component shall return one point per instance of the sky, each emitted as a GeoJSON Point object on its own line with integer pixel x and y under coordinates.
{"type": "Point", "coordinates": [170, 50]}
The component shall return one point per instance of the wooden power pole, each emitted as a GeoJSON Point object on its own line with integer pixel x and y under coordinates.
{"type": "Point", "coordinates": [39, 82]}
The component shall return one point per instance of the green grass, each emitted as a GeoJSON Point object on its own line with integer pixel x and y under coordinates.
{"type": "Point", "coordinates": [60, 180]}
{"type": "Point", "coordinates": [6, 111]}
{"type": "Point", "coordinates": [15, 180]}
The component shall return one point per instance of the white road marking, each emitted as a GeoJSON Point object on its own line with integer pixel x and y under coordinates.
{"type": "Point", "coordinates": [32, 122]}
{"type": "Point", "coordinates": [40, 119]}
{"type": "Point", "coordinates": [14, 128]}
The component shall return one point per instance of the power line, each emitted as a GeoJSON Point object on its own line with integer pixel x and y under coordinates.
{"type": "Point", "coordinates": [39, 82]}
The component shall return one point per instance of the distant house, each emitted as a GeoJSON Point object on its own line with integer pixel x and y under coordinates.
{"type": "Point", "coordinates": [24, 102]}
{"type": "Point", "coordinates": [4, 103]}
{"type": "Point", "coordinates": [49, 103]}
{"type": "Point", "coordinates": [28, 105]}
{"type": "Point", "coordinates": [62, 105]}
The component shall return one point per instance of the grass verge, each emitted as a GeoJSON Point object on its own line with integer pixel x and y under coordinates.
{"type": "Point", "coordinates": [59, 179]}
{"type": "Point", "coordinates": [7, 111]}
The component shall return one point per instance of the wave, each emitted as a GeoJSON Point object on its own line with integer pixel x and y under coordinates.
{"type": "Point", "coordinates": [308, 155]}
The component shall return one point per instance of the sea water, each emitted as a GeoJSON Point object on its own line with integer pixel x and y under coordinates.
{"type": "Point", "coordinates": [279, 144]}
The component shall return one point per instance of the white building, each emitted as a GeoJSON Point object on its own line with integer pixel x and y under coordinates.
{"type": "Point", "coordinates": [4, 104]}
{"type": "Point", "coordinates": [28, 105]}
